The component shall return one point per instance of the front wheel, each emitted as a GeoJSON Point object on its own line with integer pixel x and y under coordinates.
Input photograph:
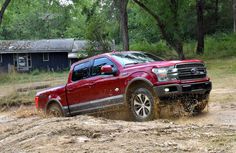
{"type": "Point", "coordinates": [142, 105]}
{"type": "Point", "coordinates": [201, 106]}
{"type": "Point", "coordinates": [54, 110]}
{"type": "Point", "coordinates": [196, 105]}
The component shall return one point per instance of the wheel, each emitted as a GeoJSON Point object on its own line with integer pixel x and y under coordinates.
{"type": "Point", "coordinates": [195, 105]}
{"type": "Point", "coordinates": [54, 110]}
{"type": "Point", "coordinates": [142, 105]}
{"type": "Point", "coordinates": [201, 106]}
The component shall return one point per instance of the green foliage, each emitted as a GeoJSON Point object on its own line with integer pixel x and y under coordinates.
{"type": "Point", "coordinates": [35, 72]}
{"type": "Point", "coordinates": [33, 19]}
{"type": "Point", "coordinates": [221, 45]}
{"type": "Point", "coordinates": [97, 32]}
{"type": "Point", "coordinates": [159, 49]}
{"type": "Point", "coordinates": [98, 20]}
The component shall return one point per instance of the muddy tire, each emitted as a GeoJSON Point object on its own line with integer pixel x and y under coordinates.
{"type": "Point", "coordinates": [201, 106]}
{"type": "Point", "coordinates": [196, 106]}
{"type": "Point", "coordinates": [142, 105]}
{"type": "Point", "coordinates": [54, 110]}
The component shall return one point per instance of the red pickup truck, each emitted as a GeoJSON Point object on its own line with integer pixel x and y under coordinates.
{"type": "Point", "coordinates": [138, 81]}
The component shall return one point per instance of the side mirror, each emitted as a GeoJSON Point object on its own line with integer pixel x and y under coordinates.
{"type": "Point", "coordinates": [107, 69]}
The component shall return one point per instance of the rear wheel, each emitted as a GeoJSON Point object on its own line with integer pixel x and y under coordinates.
{"type": "Point", "coordinates": [142, 104]}
{"type": "Point", "coordinates": [54, 110]}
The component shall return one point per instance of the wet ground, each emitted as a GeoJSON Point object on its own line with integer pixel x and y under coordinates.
{"type": "Point", "coordinates": [23, 130]}
{"type": "Point", "coordinates": [212, 131]}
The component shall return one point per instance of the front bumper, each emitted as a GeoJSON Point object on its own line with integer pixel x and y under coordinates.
{"type": "Point", "coordinates": [171, 90]}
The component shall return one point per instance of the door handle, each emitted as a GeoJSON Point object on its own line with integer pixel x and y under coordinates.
{"type": "Point", "coordinates": [91, 85]}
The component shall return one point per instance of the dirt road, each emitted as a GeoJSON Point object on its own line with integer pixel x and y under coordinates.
{"type": "Point", "coordinates": [212, 131]}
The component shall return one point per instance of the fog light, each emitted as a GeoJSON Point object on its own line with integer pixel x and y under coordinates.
{"type": "Point", "coordinates": [167, 89]}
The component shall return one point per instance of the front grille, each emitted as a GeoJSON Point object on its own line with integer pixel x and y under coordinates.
{"type": "Point", "coordinates": [191, 71]}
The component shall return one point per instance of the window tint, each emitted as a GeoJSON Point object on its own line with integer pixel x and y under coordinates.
{"type": "Point", "coordinates": [80, 71]}
{"type": "Point", "coordinates": [98, 63]}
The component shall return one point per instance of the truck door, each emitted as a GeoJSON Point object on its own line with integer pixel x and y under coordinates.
{"type": "Point", "coordinates": [79, 90]}
{"type": "Point", "coordinates": [105, 86]}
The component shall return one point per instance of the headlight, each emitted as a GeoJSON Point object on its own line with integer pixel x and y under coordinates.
{"type": "Point", "coordinates": [166, 74]}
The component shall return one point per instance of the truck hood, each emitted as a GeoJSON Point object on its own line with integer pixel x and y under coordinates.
{"type": "Point", "coordinates": [160, 64]}
{"type": "Point", "coordinates": [50, 90]}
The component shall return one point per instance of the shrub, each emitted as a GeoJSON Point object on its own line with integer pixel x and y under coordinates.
{"type": "Point", "coordinates": [159, 49]}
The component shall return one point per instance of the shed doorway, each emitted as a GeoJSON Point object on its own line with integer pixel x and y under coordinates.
{"type": "Point", "coordinates": [22, 62]}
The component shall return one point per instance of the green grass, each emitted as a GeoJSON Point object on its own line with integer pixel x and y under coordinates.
{"type": "Point", "coordinates": [221, 67]}
{"type": "Point", "coordinates": [35, 76]}
{"type": "Point", "coordinates": [17, 99]}
{"type": "Point", "coordinates": [219, 46]}
{"type": "Point", "coordinates": [23, 92]}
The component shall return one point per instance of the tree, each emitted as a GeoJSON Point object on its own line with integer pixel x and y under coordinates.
{"type": "Point", "coordinates": [234, 8]}
{"type": "Point", "coordinates": [97, 33]}
{"type": "Point", "coordinates": [200, 26]}
{"type": "Point", "coordinates": [3, 9]}
{"type": "Point", "coordinates": [124, 23]}
{"type": "Point", "coordinates": [172, 37]}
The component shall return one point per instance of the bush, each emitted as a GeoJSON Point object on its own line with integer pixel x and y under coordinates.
{"type": "Point", "coordinates": [159, 49]}
{"type": "Point", "coordinates": [217, 46]}
{"type": "Point", "coordinates": [35, 72]}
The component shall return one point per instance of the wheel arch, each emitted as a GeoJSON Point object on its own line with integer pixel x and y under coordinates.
{"type": "Point", "coordinates": [136, 82]}
{"type": "Point", "coordinates": [54, 101]}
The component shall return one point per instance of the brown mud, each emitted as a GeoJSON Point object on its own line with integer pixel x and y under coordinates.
{"type": "Point", "coordinates": [214, 130]}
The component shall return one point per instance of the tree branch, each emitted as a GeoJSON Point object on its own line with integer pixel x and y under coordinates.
{"type": "Point", "coordinates": [170, 39]}
{"type": "Point", "coordinates": [156, 17]}
{"type": "Point", "coordinates": [4, 7]}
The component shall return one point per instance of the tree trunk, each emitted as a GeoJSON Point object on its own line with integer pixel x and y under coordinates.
{"type": "Point", "coordinates": [234, 10]}
{"type": "Point", "coordinates": [200, 26]}
{"type": "Point", "coordinates": [172, 41]}
{"type": "Point", "coordinates": [216, 12]}
{"type": "Point", "coordinates": [2, 11]}
{"type": "Point", "coordinates": [179, 49]}
{"type": "Point", "coordinates": [124, 23]}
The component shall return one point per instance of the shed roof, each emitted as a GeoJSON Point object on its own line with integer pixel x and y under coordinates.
{"type": "Point", "coordinates": [29, 46]}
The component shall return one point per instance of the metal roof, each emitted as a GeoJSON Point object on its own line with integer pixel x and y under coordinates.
{"type": "Point", "coordinates": [37, 46]}
{"type": "Point", "coordinates": [79, 45]}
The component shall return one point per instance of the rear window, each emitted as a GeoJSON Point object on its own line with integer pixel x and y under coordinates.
{"type": "Point", "coordinates": [81, 71]}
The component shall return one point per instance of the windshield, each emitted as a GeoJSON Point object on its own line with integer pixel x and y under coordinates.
{"type": "Point", "coordinates": [135, 58]}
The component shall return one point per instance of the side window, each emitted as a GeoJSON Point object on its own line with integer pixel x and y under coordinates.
{"type": "Point", "coordinates": [80, 71]}
{"type": "Point", "coordinates": [98, 63]}
{"type": "Point", "coordinates": [45, 57]}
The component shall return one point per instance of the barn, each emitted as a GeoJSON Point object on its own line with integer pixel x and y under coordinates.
{"type": "Point", "coordinates": [52, 54]}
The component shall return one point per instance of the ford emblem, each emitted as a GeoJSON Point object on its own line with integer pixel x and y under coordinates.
{"type": "Point", "coordinates": [194, 71]}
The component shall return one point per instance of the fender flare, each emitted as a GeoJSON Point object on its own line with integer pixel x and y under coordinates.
{"type": "Point", "coordinates": [137, 79]}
